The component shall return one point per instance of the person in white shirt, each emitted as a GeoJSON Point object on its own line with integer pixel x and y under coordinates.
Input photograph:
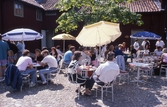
{"type": "Point", "coordinates": [160, 43]}
{"type": "Point", "coordinates": [136, 45]}
{"type": "Point", "coordinates": [158, 51]}
{"type": "Point", "coordinates": [143, 44]}
{"type": "Point", "coordinates": [50, 61]}
{"type": "Point", "coordinates": [103, 50]}
{"type": "Point", "coordinates": [24, 64]}
{"type": "Point", "coordinates": [100, 76]}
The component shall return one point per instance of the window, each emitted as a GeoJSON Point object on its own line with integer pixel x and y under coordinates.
{"type": "Point", "coordinates": [39, 15]}
{"type": "Point", "coordinates": [18, 9]}
{"type": "Point", "coordinates": [50, 13]}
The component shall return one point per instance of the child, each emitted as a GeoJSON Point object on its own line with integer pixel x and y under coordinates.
{"type": "Point", "coordinates": [10, 57]}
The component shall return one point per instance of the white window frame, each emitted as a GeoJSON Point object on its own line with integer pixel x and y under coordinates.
{"type": "Point", "coordinates": [39, 15]}
{"type": "Point", "coordinates": [19, 5]}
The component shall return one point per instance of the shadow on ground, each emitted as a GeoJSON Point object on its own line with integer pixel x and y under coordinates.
{"type": "Point", "coordinates": [126, 96]}
{"type": "Point", "coordinates": [34, 90]}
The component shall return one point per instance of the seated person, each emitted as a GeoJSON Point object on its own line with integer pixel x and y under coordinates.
{"type": "Point", "coordinates": [84, 55]}
{"type": "Point", "coordinates": [146, 50]}
{"type": "Point", "coordinates": [38, 56]}
{"type": "Point", "coordinates": [55, 54]}
{"type": "Point", "coordinates": [118, 50]}
{"type": "Point", "coordinates": [92, 55]}
{"type": "Point", "coordinates": [68, 55]}
{"type": "Point", "coordinates": [164, 56]}
{"type": "Point", "coordinates": [132, 52]}
{"type": "Point", "coordinates": [109, 66]}
{"type": "Point", "coordinates": [25, 66]}
{"type": "Point", "coordinates": [158, 51]}
{"type": "Point", "coordinates": [58, 50]}
{"type": "Point", "coordinates": [48, 60]}
{"type": "Point", "coordinates": [74, 70]}
{"type": "Point", "coordinates": [110, 49]}
{"type": "Point", "coordinates": [123, 47]}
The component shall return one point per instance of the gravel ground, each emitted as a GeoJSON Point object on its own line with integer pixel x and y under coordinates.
{"type": "Point", "coordinates": [153, 93]}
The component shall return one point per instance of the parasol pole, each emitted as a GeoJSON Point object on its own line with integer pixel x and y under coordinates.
{"type": "Point", "coordinates": [64, 46]}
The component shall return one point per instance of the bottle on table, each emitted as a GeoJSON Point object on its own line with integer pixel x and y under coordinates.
{"type": "Point", "coordinates": [127, 50]}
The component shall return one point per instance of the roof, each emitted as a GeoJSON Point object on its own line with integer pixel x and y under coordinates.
{"type": "Point", "coordinates": [143, 6]}
{"type": "Point", "coordinates": [48, 4]}
{"type": "Point", "coordinates": [32, 2]}
{"type": "Point", "coordinates": [45, 4]}
{"type": "Point", "coordinates": [136, 6]}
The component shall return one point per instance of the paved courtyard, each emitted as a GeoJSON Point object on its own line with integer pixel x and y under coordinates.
{"type": "Point", "coordinates": [151, 94]}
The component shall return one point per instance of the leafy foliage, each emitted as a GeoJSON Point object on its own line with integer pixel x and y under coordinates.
{"type": "Point", "coordinates": [91, 11]}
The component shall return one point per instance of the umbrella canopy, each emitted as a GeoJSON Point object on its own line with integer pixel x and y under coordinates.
{"type": "Point", "coordinates": [98, 34]}
{"type": "Point", "coordinates": [63, 37]}
{"type": "Point", "coordinates": [145, 35]}
{"type": "Point", "coordinates": [22, 34]}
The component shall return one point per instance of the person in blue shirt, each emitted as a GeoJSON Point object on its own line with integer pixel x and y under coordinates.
{"type": "Point", "coordinates": [4, 48]}
{"type": "Point", "coordinates": [118, 51]}
{"type": "Point", "coordinates": [68, 55]}
{"type": "Point", "coordinates": [21, 48]}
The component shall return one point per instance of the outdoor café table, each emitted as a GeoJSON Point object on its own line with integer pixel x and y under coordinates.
{"type": "Point", "coordinates": [138, 65]}
{"type": "Point", "coordinates": [126, 55]}
{"type": "Point", "coordinates": [35, 65]}
{"type": "Point", "coordinates": [156, 58]}
{"type": "Point", "coordinates": [126, 52]}
{"type": "Point", "coordinates": [87, 71]}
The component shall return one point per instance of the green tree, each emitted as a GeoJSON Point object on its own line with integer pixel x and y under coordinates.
{"type": "Point", "coordinates": [91, 11]}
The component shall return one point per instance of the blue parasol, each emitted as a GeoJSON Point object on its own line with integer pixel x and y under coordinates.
{"type": "Point", "coordinates": [145, 35]}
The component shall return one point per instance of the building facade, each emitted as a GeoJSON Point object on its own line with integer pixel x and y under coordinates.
{"type": "Point", "coordinates": [40, 15]}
